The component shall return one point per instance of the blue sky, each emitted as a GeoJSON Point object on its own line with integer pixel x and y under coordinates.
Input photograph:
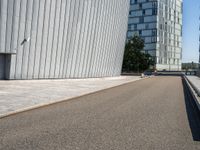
{"type": "Point", "coordinates": [191, 13]}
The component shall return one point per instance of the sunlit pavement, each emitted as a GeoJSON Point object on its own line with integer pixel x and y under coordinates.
{"type": "Point", "coordinates": [155, 113]}
{"type": "Point", "coordinates": [21, 95]}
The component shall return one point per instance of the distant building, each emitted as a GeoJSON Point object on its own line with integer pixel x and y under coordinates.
{"type": "Point", "coordinates": [42, 39]}
{"type": "Point", "coordinates": [159, 23]}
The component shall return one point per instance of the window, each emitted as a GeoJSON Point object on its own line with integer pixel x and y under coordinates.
{"type": "Point", "coordinates": [153, 39]}
{"type": "Point", "coordinates": [133, 2]}
{"type": "Point", "coordinates": [154, 32]}
{"type": "Point", "coordinates": [154, 4]}
{"type": "Point", "coordinates": [161, 26]}
{"type": "Point", "coordinates": [146, 26]}
{"type": "Point", "coordinates": [141, 19]}
{"type": "Point", "coordinates": [129, 27]}
{"type": "Point", "coordinates": [144, 12]}
{"type": "Point", "coordinates": [154, 11]}
{"type": "Point", "coordinates": [140, 32]}
{"type": "Point", "coordinates": [135, 26]}
{"type": "Point", "coordinates": [140, 6]}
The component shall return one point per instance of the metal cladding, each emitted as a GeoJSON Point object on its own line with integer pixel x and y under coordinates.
{"type": "Point", "coordinates": [62, 38]}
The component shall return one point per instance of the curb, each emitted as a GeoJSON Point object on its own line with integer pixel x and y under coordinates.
{"type": "Point", "coordinates": [194, 87]}
{"type": "Point", "coordinates": [194, 91]}
{"type": "Point", "coordinates": [63, 100]}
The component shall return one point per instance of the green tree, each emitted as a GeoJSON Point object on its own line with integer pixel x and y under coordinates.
{"type": "Point", "coordinates": [134, 59]}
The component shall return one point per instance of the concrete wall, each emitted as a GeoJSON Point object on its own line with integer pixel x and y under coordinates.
{"type": "Point", "coordinates": [68, 38]}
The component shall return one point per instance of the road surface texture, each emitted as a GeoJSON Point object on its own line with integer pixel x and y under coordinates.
{"type": "Point", "coordinates": [155, 113]}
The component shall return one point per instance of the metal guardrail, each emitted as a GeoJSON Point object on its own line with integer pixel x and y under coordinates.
{"type": "Point", "coordinates": [177, 72]}
{"type": "Point", "coordinates": [161, 73]}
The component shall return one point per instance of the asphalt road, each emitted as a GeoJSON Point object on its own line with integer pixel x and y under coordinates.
{"type": "Point", "coordinates": [154, 113]}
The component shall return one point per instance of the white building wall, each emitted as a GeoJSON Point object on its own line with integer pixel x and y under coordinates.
{"type": "Point", "coordinates": [68, 38]}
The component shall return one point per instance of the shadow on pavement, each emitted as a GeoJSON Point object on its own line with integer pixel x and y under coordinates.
{"type": "Point", "coordinates": [169, 74]}
{"type": "Point", "coordinates": [193, 112]}
{"type": "Point", "coordinates": [173, 75]}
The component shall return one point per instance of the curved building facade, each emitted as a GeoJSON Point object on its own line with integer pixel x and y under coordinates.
{"type": "Point", "coordinates": [62, 38]}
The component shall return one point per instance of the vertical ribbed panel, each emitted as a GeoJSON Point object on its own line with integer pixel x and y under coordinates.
{"type": "Point", "coordinates": [68, 38]}
{"type": "Point", "coordinates": [3, 23]}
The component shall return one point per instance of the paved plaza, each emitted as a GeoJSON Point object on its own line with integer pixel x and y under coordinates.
{"type": "Point", "coordinates": [19, 95]}
{"type": "Point", "coordinates": [151, 114]}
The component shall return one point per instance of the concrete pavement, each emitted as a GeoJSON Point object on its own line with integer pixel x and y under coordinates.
{"type": "Point", "coordinates": [194, 82]}
{"type": "Point", "coordinates": [20, 95]}
{"type": "Point", "coordinates": [151, 114]}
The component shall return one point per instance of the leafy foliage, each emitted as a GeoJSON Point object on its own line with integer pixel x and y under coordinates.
{"type": "Point", "coordinates": [190, 66]}
{"type": "Point", "coordinates": [134, 59]}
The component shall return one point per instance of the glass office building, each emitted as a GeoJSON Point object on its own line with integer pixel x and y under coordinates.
{"type": "Point", "coordinates": [159, 23]}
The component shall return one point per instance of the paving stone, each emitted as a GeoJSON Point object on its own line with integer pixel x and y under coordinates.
{"type": "Point", "coordinates": [16, 95]}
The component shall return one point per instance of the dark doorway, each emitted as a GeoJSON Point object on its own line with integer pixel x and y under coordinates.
{"type": "Point", "coordinates": [5, 60]}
